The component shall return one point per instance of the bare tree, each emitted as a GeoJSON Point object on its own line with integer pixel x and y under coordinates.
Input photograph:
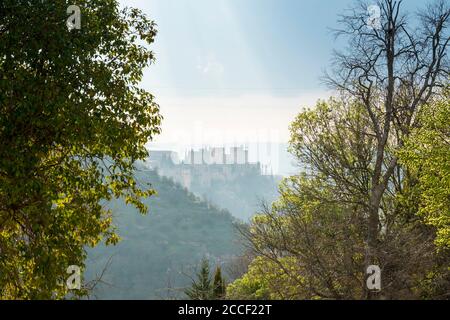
{"type": "Point", "coordinates": [392, 68]}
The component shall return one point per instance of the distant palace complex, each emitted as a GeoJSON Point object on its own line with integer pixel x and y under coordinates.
{"type": "Point", "coordinates": [205, 166]}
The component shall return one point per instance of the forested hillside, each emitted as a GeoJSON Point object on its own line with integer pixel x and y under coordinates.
{"type": "Point", "coordinates": [242, 196]}
{"type": "Point", "coordinates": [156, 249]}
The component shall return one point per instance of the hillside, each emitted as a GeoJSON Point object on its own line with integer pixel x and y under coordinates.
{"type": "Point", "coordinates": [241, 196]}
{"type": "Point", "coordinates": [157, 248]}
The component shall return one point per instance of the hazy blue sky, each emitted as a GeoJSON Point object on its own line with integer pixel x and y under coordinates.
{"type": "Point", "coordinates": [230, 70]}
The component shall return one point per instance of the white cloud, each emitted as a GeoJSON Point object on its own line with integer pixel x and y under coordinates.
{"type": "Point", "coordinates": [211, 66]}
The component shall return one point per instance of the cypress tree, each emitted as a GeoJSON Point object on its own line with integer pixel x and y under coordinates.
{"type": "Point", "coordinates": [219, 284]}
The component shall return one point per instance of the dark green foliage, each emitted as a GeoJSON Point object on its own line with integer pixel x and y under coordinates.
{"type": "Point", "coordinates": [205, 287]}
{"type": "Point", "coordinates": [201, 287]}
{"type": "Point", "coordinates": [73, 121]}
{"type": "Point", "coordinates": [218, 284]}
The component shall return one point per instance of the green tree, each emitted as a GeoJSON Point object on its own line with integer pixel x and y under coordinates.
{"type": "Point", "coordinates": [392, 69]}
{"type": "Point", "coordinates": [201, 287]}
{"type": "Point", "coordinates": [312, 242]}
{"type": "Point", "coordinates": [267, 279]}
{"type": "Point", "coordinates": [219, 286]}
{"type": "Point", "coordinates": [427, 155]}
{"type": "Point", "coordinates": [353, 205]}
{"type": "Point", "coordinates": [73, 121]}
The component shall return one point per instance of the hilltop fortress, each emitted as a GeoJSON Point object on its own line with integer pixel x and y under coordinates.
{"type": "Point", "coordinates": [206, 166]}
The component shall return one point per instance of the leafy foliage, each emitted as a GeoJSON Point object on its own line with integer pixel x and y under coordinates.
{"type": "Point", "coordinates": [266, 279]}
{"type": "Point", "coordinates": [312, 242]}
{"type": "Point", "coordinates": [72, 123]}
{"type": "Point", "coordinates": [355, 204]}
{"type": "Point", "coordinates": [427, 155]}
